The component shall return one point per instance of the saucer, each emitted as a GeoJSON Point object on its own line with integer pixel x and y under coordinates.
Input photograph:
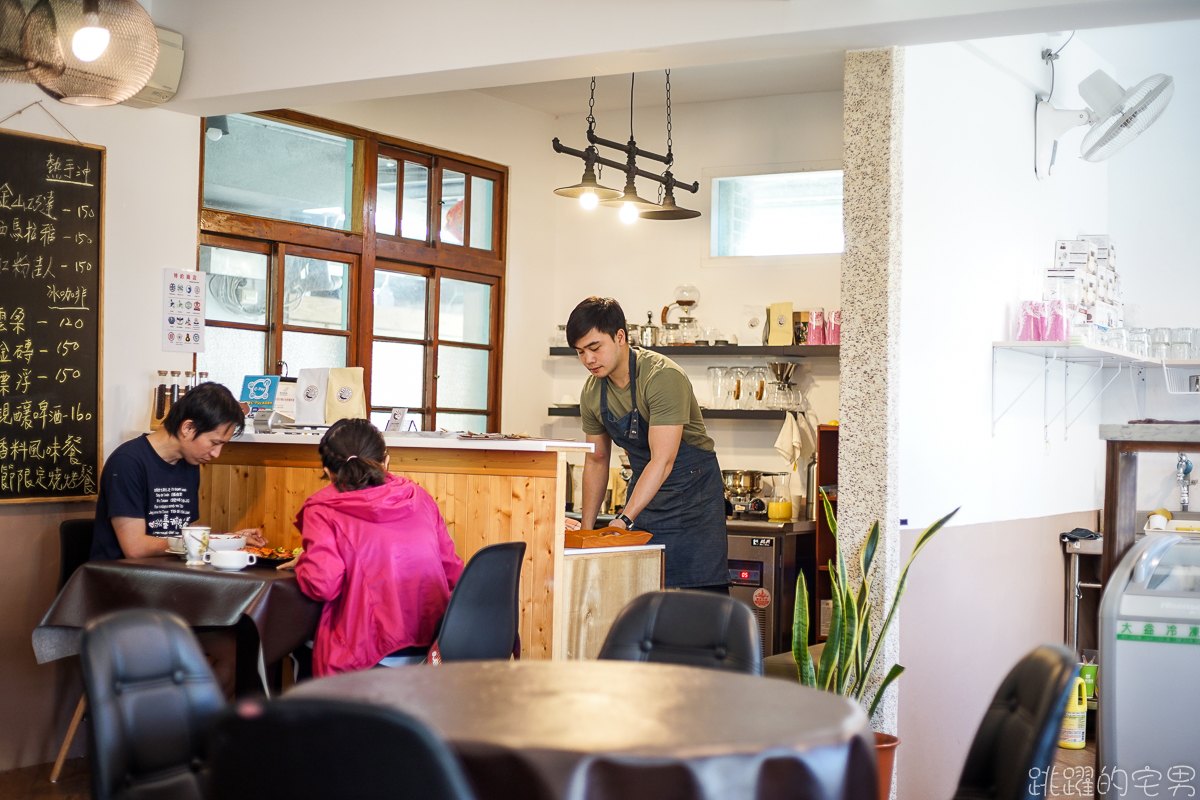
{"type": "Point", "coordinates": [229, 569]}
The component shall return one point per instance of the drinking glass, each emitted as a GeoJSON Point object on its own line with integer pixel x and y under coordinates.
{"type": "Point", "coordinates": [1179, 335]}
{"type": "Point", "coordinates": [1160, 350]}
{"type": "Point", "coordinates": [716, 383]}
{"type": "Point", "coordinates": [1118, 338]}
{"type": "Point", "coordinates": [1160, 335]}
{"type": "Point", "coordinates": [1180, 351]}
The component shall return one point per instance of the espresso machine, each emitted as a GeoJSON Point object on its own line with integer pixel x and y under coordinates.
{"type": "Point", "coordinates": [743, 492]}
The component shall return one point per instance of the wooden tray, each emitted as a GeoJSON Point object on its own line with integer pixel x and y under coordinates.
{"type": "Point", "coordinates": [606, 537]}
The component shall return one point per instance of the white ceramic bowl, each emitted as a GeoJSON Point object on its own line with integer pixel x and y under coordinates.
{"type": "Point", "coordinates": [226, 541]}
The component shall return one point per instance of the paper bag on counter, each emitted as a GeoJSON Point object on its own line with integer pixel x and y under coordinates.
{"type": "Point", "coordinates": [311, 387]}
{"type": "Point", "coordinates": [344, 399]}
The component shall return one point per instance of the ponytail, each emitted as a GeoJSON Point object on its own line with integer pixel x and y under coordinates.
{"type": "Point", "coordinates": [354, 452]}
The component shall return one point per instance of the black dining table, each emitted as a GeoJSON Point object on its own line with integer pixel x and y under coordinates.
{"type": "Point", "coordinates": [616, 730]}
{"type": "Point", "coordinates": [265, 606]}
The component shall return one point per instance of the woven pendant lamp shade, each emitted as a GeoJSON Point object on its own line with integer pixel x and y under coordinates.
{"type": "Point", "coordinates": [13, 67]}
{"type": "Point", "coordinates": [120, 72]}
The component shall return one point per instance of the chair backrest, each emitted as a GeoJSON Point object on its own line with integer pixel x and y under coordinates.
{"type": "Point", "coordinates": [152, 699]}
{"type": "Point", "coordinates": [482, 618]}
{"type": "Point", "coordinates": [75, 546]}
{"type": "Point", "coordinates": [328, 750]}
{"type": "Point", "coordinates": [700, 629]}
{"type": "Point", "coordinates": [1015, 745]}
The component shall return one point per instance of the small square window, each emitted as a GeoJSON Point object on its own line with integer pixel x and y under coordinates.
{"type": "Point", "coordinates": [781, 214]}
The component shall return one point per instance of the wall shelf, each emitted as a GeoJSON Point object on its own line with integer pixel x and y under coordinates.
{"type": "Point", "coordinates": [708, 413]}
{"type": "Point", "coordinates": [789, 351]}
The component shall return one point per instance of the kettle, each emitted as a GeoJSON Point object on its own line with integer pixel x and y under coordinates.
{"type": "Point", "coordinates": [811, 495]}
{"type": "Point", "coordinates": [650, 331]}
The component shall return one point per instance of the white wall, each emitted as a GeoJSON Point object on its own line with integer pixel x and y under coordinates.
{"type": "Point", "coordinates": [979, 228]}
{"type": "Point", "coordinates": [1153, 206]}
{"type": "Point", "coordinates": [151, 188]}
{"type": "Point", "coordinates": [641, 264]}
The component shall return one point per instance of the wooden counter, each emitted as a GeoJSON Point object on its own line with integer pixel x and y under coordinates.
{"type": "Point", "coordinates": [488, 492]}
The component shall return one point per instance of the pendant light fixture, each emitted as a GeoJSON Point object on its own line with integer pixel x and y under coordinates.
{"type": "Point", "coordinates": [89, 53]}
{"type": "Point", "coordinates": [631, 205]}
{"type": "Point", "coordinates": [588, 190]}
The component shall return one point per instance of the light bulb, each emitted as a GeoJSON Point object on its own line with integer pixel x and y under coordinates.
{"type": "Point", "coordinates": [629, 213]}
{"type": "Point", "coordinates": [90, 41]}
{"type": "Point", "coordinates": [589, 200]}
{"type": "Point", "coordinates": [214, 134]}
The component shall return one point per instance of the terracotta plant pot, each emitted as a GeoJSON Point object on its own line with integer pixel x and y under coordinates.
{"type": "Point", "coordinates": [885, 760]}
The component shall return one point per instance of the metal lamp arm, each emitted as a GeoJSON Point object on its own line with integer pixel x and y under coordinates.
{"type": "Point", "coordinates": [559, 147]}
{"type": "Point", "coordinates": [630, 149]}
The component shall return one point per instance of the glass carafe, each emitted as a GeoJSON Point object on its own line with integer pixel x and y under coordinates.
{"type": "Point", "coordinates": [734, 381]}
{"type": "Point", "coordinates": [689, 330]}
{"type": "Point", "coordinates": [779, 509]}
{"type": "Point", "coordinates": [716, 383]}
{"type": "Point", "coordinates": [671, 335]}
{"type": "Point", "coordinates": [755, 395]}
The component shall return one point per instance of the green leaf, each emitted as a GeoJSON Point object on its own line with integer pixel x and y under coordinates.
{"type": "Point", "coordinates": [864, 642]}
{"type": "Point", "coordinates": [829, 517]}
{"type": "Point", "coordinates": [895, 672]}
{"type": "Point", "coordinates": [804, 664]}
{"type": "Point", "coordinates": [829, 655]}
{"type": "Point", "coordinates": [849, 643]}
{"type": "Point", "coordinates": [866, 556]}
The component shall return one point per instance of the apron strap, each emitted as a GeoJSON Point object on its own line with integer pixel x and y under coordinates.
{"type": "Point", "coordinates": [633, 416]}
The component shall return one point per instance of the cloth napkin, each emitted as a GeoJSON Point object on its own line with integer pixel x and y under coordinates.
{"type": "Point", "coordinates": [789, 444]}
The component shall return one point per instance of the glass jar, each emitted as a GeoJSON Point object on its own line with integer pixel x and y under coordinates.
{"type": "Point", "coordinates": [689, 330]}
{"type": "Point", "coordinates": [560, 337]}
{"type": "Point", "coordinates": [633, 333]}
{"type": "Point", "coordinates": [160, 399]}
{"type": "Point", "coordinates": [716, 385]}
{"type": "Point", "coordinates": [175, 387]}
{"type": "Point", "coordinates": [1158, 335]}
{"type": "Point", "coordinates": [672, 336]}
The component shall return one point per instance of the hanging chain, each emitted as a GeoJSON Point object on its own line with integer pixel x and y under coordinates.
{"type": "Point", "coordinates": [591, 117]}
{"type": "Point", "coordinates": [632, 76]}
{"type": "Point", "coordinates": [670, 156]}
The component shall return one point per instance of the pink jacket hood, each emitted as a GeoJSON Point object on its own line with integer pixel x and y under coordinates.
{"type": "Point", "coordinates": [391, 502]}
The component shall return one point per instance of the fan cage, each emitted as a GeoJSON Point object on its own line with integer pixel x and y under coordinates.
{"type": "Point", "coordinates": [1138, 110]}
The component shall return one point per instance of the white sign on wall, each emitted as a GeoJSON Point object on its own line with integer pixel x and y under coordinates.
{"type": "Point", "coordinates": [183, 311]}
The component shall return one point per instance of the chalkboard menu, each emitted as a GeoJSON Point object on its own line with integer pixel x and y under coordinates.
{"type": "Point", "coordinates": [51, 228]}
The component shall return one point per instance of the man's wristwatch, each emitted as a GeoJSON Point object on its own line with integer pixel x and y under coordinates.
{"type": "Point", "coordinates": [628, 522]}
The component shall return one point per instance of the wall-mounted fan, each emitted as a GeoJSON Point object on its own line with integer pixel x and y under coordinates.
{"type": "Point", "coordinates": [1117, 118]}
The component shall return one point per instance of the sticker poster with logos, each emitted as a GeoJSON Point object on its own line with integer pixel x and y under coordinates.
{"type": "Point", "coordinates": [183, 311]}
{"type": "Point", "coordinates": [51, 241]}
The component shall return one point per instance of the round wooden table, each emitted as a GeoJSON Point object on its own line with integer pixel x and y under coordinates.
{"type": "Point", "coordinates": [615, 730]}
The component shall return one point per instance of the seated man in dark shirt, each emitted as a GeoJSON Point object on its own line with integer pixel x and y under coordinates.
{"type": "Point", "coordinates": [150, 486]}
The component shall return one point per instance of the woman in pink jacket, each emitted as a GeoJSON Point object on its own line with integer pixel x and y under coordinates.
{"type": "Point", "coordinates": [376, 551]}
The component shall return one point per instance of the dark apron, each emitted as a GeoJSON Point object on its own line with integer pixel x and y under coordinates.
{"type": "Point", "coordinates": [688, 513]}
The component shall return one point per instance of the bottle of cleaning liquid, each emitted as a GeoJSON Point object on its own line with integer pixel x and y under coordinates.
{"type": "Point", "coordinates": [1074, 725]}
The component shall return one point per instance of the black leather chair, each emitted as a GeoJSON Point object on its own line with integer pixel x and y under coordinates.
{"type": "Point", "coordinates": [483, 616]}
{"type": "Point", "coordinates": [1015, 745]}
{"type": "Point", "coordinates": [699, 629]}
{"type": "Point", "coordinates": [152, 700]}
{"type": "Point", "coordinates": [75, 546]}
{"type": "Point", "coordinates": [337, 751]}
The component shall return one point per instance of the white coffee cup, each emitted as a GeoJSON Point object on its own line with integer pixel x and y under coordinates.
{"type": "Point", "coordinates": [195, 541]}
{"type": "Point", "coordinates": [1157, 522]}
{"type": "Point", "coordinates": [229, 559]}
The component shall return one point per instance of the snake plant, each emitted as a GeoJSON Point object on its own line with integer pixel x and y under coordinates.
{"type": "Point", "coordinates": [848, 658]}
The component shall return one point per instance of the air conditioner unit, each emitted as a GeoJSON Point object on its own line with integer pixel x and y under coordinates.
{"type": "Point", "coordinates": [165, 81]}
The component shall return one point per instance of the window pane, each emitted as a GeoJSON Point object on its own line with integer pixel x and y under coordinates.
{"type": "Point", "coordinates": [231, 354]}
{"type": "Point", "coordinates": [272, 169]}
{"type": "Point", "coordinates": [399, 305]}
{"type": "Point", "coordinates": [415, 214]}
{"type": "Point", "coordinates": [470, 423]}
{"type": "Point", "coordinates": [796, 213]}
{"type": "Point", "coordinates": [397, 374]}
{"type": "Point", "coordinates": [481, 212]}
{"type": "Point", "coordinates": [236, 285]}
{"type": "Point", "coordinates": [463, 378]}
{"type": "Point", "coordinates": [312, 351]}
{"type": "Point", "coordinates": [465, 312]}
{"type": "Point", "coordinates": [380, 420]}
{"type": "Point", "coordinates": [385, 197]}
{"type": "Point", "coordinates": [453, 194]}
{"type": "Point", "coordinates": [316, 293]}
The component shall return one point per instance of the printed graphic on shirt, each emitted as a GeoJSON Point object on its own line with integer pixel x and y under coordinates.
{"type": "Point", "coordinates": [169, 510]}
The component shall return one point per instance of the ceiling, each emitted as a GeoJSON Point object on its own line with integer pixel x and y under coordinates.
{"type": "Point", "coordinates": [802, 74]}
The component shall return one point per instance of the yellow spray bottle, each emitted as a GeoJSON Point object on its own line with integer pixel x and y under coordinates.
{"type": "Point", "coordinates": [1074, 724]}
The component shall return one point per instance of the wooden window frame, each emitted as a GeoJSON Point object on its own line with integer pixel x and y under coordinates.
{"type": "Point", "coordinates": [361, 247]}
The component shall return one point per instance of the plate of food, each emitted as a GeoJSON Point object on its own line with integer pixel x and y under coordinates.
{"type": "Point", "coordinates": [274, 555]}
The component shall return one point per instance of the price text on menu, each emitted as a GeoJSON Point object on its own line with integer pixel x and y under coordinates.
{"type": "Point", "coordinates": [51, 223]}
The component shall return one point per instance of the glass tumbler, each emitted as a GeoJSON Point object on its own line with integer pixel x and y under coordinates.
{"type": "Point", "coordinates": [1118, 338]}
{"type": "Point", "coordinates": [1160, 350]}
{"type": "Point", "coordinates": [1180, 351]}
{"type": "Point", "coordinates": [1181, 335]}
{"type": "Point", "coordinates": [1139, 342]}
{"type": "Point", "coordinates": [716, 383]}
{"type": "Point", "coordinates": [1160, 335]}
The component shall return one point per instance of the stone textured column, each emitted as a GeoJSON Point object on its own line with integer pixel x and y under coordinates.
{"type": "Point", "coordinates": [870, 357]}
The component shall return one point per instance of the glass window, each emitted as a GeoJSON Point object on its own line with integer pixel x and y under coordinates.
{"type": "Point", "coordinates": [236, 285]}
{"type": "Point", "coordinates": [796, 213]}
{"type": "Point", "coordinates": [273, 169]}
{"type": "Point", "coordinates": [312, 351]}
{"type": "Point", "coordinates": [231, 354]}
{"type": "Point", "coordinates": [397, 374]}
{"type": "Point", "coordinates": [453, 206]}
{"type": "Point", "coordinates": [316, 293]}
{"type": "Point", "coordinates": [385, 196]}
{"type": "Point", "coordinates": [414, 222]}
{"type": "Point", "coordinates": [481, 212]}
{"type": "Point", "coordinates": [471, 423]}
{"type": "Point", "coordinates": [399, 305]}
{"type": "Point", "coordinates": [465, 312]}
{"type": "Point", "coordinates": [462, 378]}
